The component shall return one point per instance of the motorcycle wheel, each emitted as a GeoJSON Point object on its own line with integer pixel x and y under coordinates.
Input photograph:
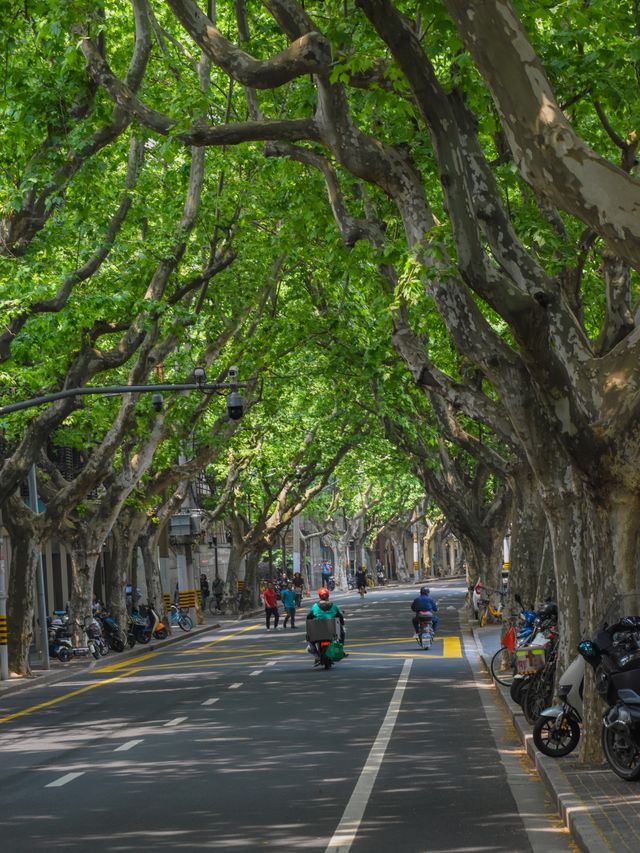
{"type": "Point", "coordinates": [518, 685]}
{"type": "Point", "coordinates": [143, 636]}
{"type": "Point", "coordinates": [502, 667]}
{"type": "Point", "coordinates": [622, 752]}
{"type": "Point", "coordinates": [63, 654]}
{"type": "Point", "coordinates": [535, 701]}
{"type": "Point", "coordinates": [103, 648]}
{"type": "Point", "coordinates": [116, 644]}
{"type": "Point", "coordinates": [95, 651]}
{"type": "Point", "coordinates": [131, 640]}
{"type": "Point", "coordinates": [555, 739]}
{"type": "Point", "coordinates": [161, 634]}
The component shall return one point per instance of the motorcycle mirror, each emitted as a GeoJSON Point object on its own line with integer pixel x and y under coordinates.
{"type": "Point", "coordinates": [588, 650]}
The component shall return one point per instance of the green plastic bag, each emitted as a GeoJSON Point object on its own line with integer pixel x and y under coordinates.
{"type": "Point", "coordinates": [335, 651]}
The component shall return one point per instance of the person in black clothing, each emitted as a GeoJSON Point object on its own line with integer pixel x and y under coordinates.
{"type": "Point", "coordinates": [204, 590]}
{"type": "Point", "coordinates": [361, 580]}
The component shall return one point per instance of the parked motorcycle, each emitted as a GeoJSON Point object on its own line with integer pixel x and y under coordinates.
{"type": "Point", "coordinates": [60, 639]}
{"type": "Point", "coordinates": [615, 658]}
{"type": "Point", "coordinates": [145, 624]}
{"type": "Point", "coordinates": [116, 638]}
{"type": "Point", "coordinates": [425, 632]}
{"type": "Point", "coordinates": [557, 730]}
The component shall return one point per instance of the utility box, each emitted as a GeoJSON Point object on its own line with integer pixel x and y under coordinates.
{"type": "Point", "coordinates": [180, 525]}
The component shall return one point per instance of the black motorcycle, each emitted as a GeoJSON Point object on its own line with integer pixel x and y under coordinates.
{"type": "Point", "coordinates": [615, 658]}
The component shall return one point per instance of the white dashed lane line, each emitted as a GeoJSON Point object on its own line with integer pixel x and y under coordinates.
{"type": "Point", "coordinates": [209, 701]}
{"type": "Point", "coordinates": [127, 745]}
{"type": "Point", "coordinates": [69, 777]}
{"type": "Point", "coordinates": [236, 685]}
{"type": "Point", "coordinates": [256, 672]}
{"type": "Point", "coordinates": [176, 722]}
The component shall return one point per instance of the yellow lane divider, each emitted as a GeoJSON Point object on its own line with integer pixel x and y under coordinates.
{"type": "Point", "coordinates": [127, 663]}
{"type": "Point", "coordinates": [58, 699]}
{"type": "Point", "coordinates": [220, 640]}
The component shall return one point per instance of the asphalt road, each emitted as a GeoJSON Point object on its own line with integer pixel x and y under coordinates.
{"type": "Point", "coordinates": [233, 741]}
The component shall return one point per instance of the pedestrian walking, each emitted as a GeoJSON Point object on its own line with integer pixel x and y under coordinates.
{"type": "Point", "coordinates": [270, 606]}
{"type": "Point", "coordinates": [288, 597]}
{"type": "Point", "coordinates": [326, 574]}
{"type": "Point", "coordinates": [298, 587]}
{"type": "Point", "coordinates": [204, 590]}
{"type": "Point", "coordinates": [217, 588]}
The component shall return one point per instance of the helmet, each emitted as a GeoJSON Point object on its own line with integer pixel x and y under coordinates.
{"type": "Point", "coordinates": [323, 592]}
{"type": "Point", "coordinates": [549, 610]}
{"type": "Point", "coordinates": [425, 590]}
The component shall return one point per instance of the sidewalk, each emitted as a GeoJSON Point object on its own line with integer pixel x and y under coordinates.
{"type": "Point", "coordinates": [601, 811]}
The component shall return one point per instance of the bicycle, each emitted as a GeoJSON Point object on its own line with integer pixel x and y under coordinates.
{"type": "Point", "coordinates": [215, 604]}
{"type": "Point", "coordinates": [489, 613]}
{"type": "Point", "coordinates": [180, 616]}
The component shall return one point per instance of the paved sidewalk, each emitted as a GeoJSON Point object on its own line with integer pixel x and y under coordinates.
{"type": "Point", "coordinates": [601, 811]}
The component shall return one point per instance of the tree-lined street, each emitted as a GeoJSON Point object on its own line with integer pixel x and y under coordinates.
{"type": "Point", "coordinates": [234, 741]}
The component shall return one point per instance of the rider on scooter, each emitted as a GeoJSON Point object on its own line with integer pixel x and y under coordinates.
{"type": "Point", "coordinates": [421, 604]}
{"type": "Point", "coordinates": [325, 609]}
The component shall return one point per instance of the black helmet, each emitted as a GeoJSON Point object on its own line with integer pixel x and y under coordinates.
{"type": "Point", "coordinates": [425, 590]}
{"type": "Point", "coordinates": [549, 610]}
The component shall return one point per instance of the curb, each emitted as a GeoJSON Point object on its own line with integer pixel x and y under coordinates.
{"type": "Point", "coordinates": [572, 809]}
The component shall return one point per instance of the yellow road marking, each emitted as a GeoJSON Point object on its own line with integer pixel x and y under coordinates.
{"type": "Point", "coordinates": [66, 696]}
{"type": "Point", "coordinates": [124, 664]}
{"type": "Point", "coordinates": [221, 639]}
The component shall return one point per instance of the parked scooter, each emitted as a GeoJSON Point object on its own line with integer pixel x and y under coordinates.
{"type": "Point", "coordinates": [557, 730]}
{"type": "Point", "coordinates": [615, 657]}
{"type": "Point", "coordinates": [425, 633]}
{"type": "Point", "coordinates": [116, 638]}
{"type": "Point", "coordinates": [145, 624]}
{"type": "Point", "coordinates": [60, 642]}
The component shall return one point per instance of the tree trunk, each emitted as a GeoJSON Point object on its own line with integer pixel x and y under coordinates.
{"type": "Point", "coordinates": [146, 545]}
{"type": "Point", "coordinates": [25, 550]}
{"type": "Point", "coordinates": [250, 595]}
{"type": "Point", "coordinates": [230, 601]}
{"type": "Point", "coordinates": [528, 536]}
{"type": "Point", "coordinates": [83, 564]}
{"type": "Point", "coordinates": [396, 537]}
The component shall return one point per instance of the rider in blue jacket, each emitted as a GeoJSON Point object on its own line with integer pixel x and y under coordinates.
{"type": "Point", "coordinates": [425, 602]}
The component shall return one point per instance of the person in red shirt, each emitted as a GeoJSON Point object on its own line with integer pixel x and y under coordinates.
{"type": "Point", "coordinates": [271, 606]}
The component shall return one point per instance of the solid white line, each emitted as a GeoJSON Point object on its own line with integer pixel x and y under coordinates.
{"type": "Point", "coordinates": [236, 685]}
{"type": "Point", "coordinates": [209, 701]}
{"type": "Point", "coordinates": [345, 834]}
{"type": "Point", "coordinates": [176, 722]}
{"type": "Point", "coordinates": [256, 672]}
{"type": "Point", "coordinates": [64, 779]}
{"type": "Point", "coordinates": [124, 747]}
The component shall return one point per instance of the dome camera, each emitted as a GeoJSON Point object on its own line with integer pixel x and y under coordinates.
{"type": "Point", "coordinates": [156, 402]}
{"type": "Point", "coordinates": [235, 406]}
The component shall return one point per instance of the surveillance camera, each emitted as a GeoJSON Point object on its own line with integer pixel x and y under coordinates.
{"type": "Point", "coordinates": [235, 406]}
{"type": "Point", "coordinates": [233, 372]}
{"type": "Point", "coordinates": [156, 402]}
{"type": "Point", "coordinates": [198, 375]}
